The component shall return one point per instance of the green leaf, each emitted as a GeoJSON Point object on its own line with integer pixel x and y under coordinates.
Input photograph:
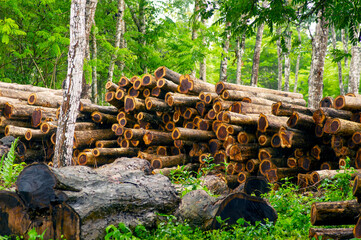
{"type": "Point", "coordinates": [5, 39]}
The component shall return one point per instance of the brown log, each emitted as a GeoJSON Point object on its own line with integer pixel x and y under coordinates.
{"type": "Point", "coordinates": [106, 143]}
{"type": "Point", "coordinates": [137, 84]}
{"type": "Point", "coordinates": [146, 93]}
{"type": "Point", "coordinates": [157, 92]}
{"type": "Point", "coordinates": [335, 213]}
{"type": "Point", "coordinates": [132, 103]}
{"type": "Point", "coordinates": [221, 86]}
{"type": "Point", "coordinates": [110, 98]}
{"type": "Point", "coordinates": [4, 122]}
{"type": "Point", "coordinates": [24, 111]}
{"type": "Point", "coordinates": [192, 134]}
{"type": "Point", "coordinates": [276, 140]}
{"type": "Point", "coordinates": [259, 101]}
{"type": "Point", "coordinates": [320, 115]}
{"type": "Point", "coordinates": [103, 118]}
{"type": "Point", "coordinates": [246, 138]}
{"type": "Point", "coordinates": [242, 177]}
{"type": "Point", "coordinates": [236, 95]}
{"type": "Point", "coordinates": [319, 131]}
{"type": "Point", "coordinates": [209, 97]}
{"type": "Point", "coordinates": [202, 108]}
{"type": "Point", "coordinates": [252, 165]}
{"type": "Point", "coordinates": [190, 113]}
{"type": "Point", "coordinates": [191, 84]}
{"type": "Point", "coordinates": [308, 163]}
{"type": "Point", "coordinates": [329, 166]}
{"type": "Point", "coordinates": [29, 88]}
{"type": "Point", "coordinates": [148, 117]}
{"type": "Point", "coordinates": [153, 137]}
{"type": "Point", "coordinates": [222, 105]}
{"type": "Point", "coordinates": [347, 103]}
{"type": "Point", "coordinates": [330, 233]}
{"type": "Point", "coordinates": [211, 114]}
{"type": "Point", "coordinates": [164, 72]}
{"type": "Point", "coordinates": [167, 85]}
{"type": "Point", "coordinates": [88, 138]}
{"type": "Point", "coordinates": [15, 131]}
{"type": "Point", "coordinates": [237, 152]}
{"type": "Point", "coordinates": [182, 143]}
{"type": "Point", "coordinates": [204, 124]}
{"type": "Point", "coordinates": [318, 176]}
{"type": "Point", "coordinates": [89, 108]}
{"type": "Point", "coordinates": [342, 127]}
{"type": "Point", "coordinates": [326, 102]}
{"type": "Point", "coordinates": [40, 115]}
{"type": "Point", "coordinates": [284, 109]}
{"type": "Point", "coordinates": [115, 152]}
{"type": "Point", "coordinates": [156, 104]}
{"type": "Point", "coordinates": [169, 161]}
{"type": "Point", "coordinates": [174, 100]}
{"type": "Point", "coordinates": [264, 141]}
{"type": "Point", "coordinates": [301, 121]}
{"type": "Point", "coordinates": [275, 175]}
{"type": "Point", "coordinates": [240, 119]}
{"type": "Point", "coordinates": [34, 134]}
{"type": "Point", "coordinates": [110, 86]}
{"type": "Point", "coordinates": [133, 93]}
{"type": "Point", "coordinates": [270, 122]}
{"type": "Point", "coordinates": [134, 134]}
{"type": "Point", "coordinates": [45, 99]}
{"type": "Point", "coordinates": [292, 163]}
{"type": "Point", "coordinates": [356, 189]}
{"type": "Point", "coordinates": [149, 81]}
{"type": "Point", "coordinates": [124, 82]}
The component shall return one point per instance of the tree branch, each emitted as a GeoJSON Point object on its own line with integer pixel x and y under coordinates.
{"type": "Point", "coordinates": [134, 17]}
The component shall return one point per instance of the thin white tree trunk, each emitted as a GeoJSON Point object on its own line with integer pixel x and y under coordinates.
{"type": "Point", "coordinates": [355, 68]}
{"type": "Point", "coordinates": [256, 56]}
{"type": "Point", "coordinates": [339, 66]}
{"type": "Point", "coordinates": [118, 35]}
{"type": "Point", "coordinates": [319, 48]}
{"type": "Point", "coordinates": [298, 60]}
{"type": "Point", "coordinates": [94, 67]}
{"type": "Point", "coordinates": [239, 55]}
{"type": "Point", "coordinates": [279, 60]}
{"type": "Point", "coordinates": [344, 39]}
{"type": "Point", "coordinates": [203, 63]}
{"type": "Point", "coordinates": [72, 86]}
{"type": "Point", "coordinates": [224, 61]}
{"type": "Point", "coordinates": [288, 61]}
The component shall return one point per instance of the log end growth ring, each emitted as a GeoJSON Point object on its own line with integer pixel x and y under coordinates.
{"type": "Point", "coordinates": [160, 72]}
{"type": "Point", "coordinates": [339, 102]}
{"type": "Point", "coordinates": [262, 123]}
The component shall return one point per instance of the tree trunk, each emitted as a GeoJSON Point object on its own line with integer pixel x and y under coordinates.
{"type": "Point", "coordinates": [298, 60]}
{"type": "Point", "coordinates": [319, 48]}
{"type": "Point", "coordinates": [94, 84]}
{"type": "Point", "coordinates": [287, 61]}
{"type": "Point", "coordinates": [203, 63]}
{"type": "Point", "coordinates": [279, 59]}
{"type": "Point", "coordinates": [334, 42]}
{"type": "Point", "coordinates": [118, 38]}
{"type": "Point", "coordinates": [239, 53]}
{"type": "Point", "coordinates": [73, 86]}
{"type": "Point", "coordinates": [224, 61]}
{"type": "Point", "coordinates": [354, 76]}
{"type": "Point", "coordinates": [344, 39]}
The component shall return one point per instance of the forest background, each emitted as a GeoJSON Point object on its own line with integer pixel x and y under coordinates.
{"type": "Point", "coordinates": [137, 36]}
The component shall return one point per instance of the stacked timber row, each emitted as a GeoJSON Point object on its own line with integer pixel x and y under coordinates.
{"type": "Point", "coordinates": [338, 213]}
{"type": "Point", "coordinates": [338, 126]}
{"type": "Point", "coordinates": [30, 113]}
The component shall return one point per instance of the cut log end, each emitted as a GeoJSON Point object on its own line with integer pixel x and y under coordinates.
{"type": "Point", "coordinates": [219, 88]}
{"type": "Point", "coordinates": [160, 72]}
{"type": "Point", "coordinates": [339, 102]}
{"type": "Point", "coordinates": [32, 99]}
{"type": "Point", "coordinates": [176, 134]}
{"type": "Point", "coordinates": [129, 104]}
{"type": "Point", "coordinates": [262, 123]}
{"type": "Point", "coordinates": [356, 138]}
{"type": "Point", "coordinates": [292, 120]}
{"type": "Point", "coordinates": [156, 163]}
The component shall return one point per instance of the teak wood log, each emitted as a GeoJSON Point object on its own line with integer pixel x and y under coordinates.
{"type": "Point", "coordinates": [347, 103]}
{"type": "Point", "coordinates": [284, 109]}
{"type": "Point", "coordinates": [167, 85]}
{"type": "Point", "coordinates": [221, 86]}
{"type": "Point", "coordinates": [320, 115]}
{"type": "Point", "coordinates": [331, 233]}
{"type": "Point", "coordinates": [301, 121]}
{"type": "Point", "coordinates": [111, 99]}
{"type": "Point", "coordinates": [191, 84]}
{"type": "Point", "coordinates": [192, 134]}
{"type": "Point", "coordinates": [335, 213]}
{"type": "Point", "coordinates": [326, 102]}
{"type": "Point", "coordinates": [342, 127]}
{"type": "Point", "coordinates": [133, 103]}
{"type": "Point", "coordinates": [183, 100]}
{"type": "Point", "coordinates": [45, 100]}
{"type": "Point", "coordinates": [319, 175]}
{"type": "Point", "coordinates": [201, 210]}
{"type": "Point", "coordinates": [29, 88]}
{"type": "Point", "coordinates": [78, 211]}
{"type": "Point", "coordinates": [274, 175]}
{"type": "Point", "coordinates": [106, 143]}
{"type": "Point", "coordinates": [240, 119]}
{"type": "Point", "coordinates": [153, 137]}
{"type": "Point", "coordinates": [164, 72]}
{"type": "Point", "coordinates": [156, 104]}
{"type": "Point", "coordinates": [88, 138]}
{"type": "Point", "coordinates": [169, 161]}
{"type": "Point", "coordinates": [103, 118]}
{"type": "Point", "coordinates": [270, 122]}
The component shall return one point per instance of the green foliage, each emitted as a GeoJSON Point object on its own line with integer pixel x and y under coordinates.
{"type": "Point", "coordinates": [190, 180]}
{"type": "Point", "coordinates": [8, 169]}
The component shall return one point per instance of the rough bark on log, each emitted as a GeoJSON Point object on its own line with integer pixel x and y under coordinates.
{"type": "Point", "coordinates": [139, 197]}
{"type": "Point", "coordinates": [331, 233]}
{"type": "Point", "coordinates": [199, 209]}
{"type": "Point", "coordinates": [164, 72]}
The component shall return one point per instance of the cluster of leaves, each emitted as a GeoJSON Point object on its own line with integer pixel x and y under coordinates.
{"type": "Point", "coordinates": [9, 170]}
{"type": "Point", "coordinates": [190, 180]}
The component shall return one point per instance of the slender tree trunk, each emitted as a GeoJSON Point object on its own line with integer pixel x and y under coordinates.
{"type": "Point", "coordinates": [195, 28]}
{"type": "Point", "coordinates": [256, 56]}
{"type": "Point", "coordinates": [72, 86]}
{"type": "Point", "coordinates": [355, 68]}
{"type": "Point", "coordinates": [90, 8]}
{"type": "Point", "coordinates": [118, 35]}
{"type": "Point", "coordinates": [339, 66]}
{"type": "Point", "coordinates": [239, 55]}
{"type": "Point", "coordinates": [94, 67]}
{"type": "Point", "coordinates": [298, 60]}
{"type": "Point", "coordinates": [279, 58]}
{"type": "Point", "coordinates": [224, 61]}
{"type": "Point", "coordinates": [288, 61]}
{"type": "Point", "coordinates": [142, 27]}
{"type": "Point", "coordinates": [203, 63]}
{"type": "Point", "coordinates": [344, 39]}
{"type": "Point", "coordinates": [319, 48]}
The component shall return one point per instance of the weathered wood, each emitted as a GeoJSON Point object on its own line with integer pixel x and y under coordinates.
{"type": "Point", "coordinates": [270, 122]}
{"type": "Point", "coordinates": [164, 72]}
{"type": "Point", "coordinates": [199, 209]}
{"type": "Point", "coordinates": [169, 161]}
{"type": "Point", "coordinates": [301, 121]}
{"type": "Point", "coordinates": [156, 104]}
{"type": "Point", "coordinates": [320, 115]}
{"type": "Point", "coordinates": [88, 138]}
{"type": "Point", "coordinates": [347, 103]}
{"type": "Point", "coordinates": [192, 134]}
{"type": "Point", "coordinates": [115, 152]}
{"type": "Point", "coordinates": [82, 215]}
{"type": "Point", "coordinates": [335, 213]}
{"type": "Point", "coordinates": [326, 102]}
{"type": "Point", "coordinates": [103, 118]}
{"type": "Point", "coordinates": [106, 143]}
{"type": "Point", "coordinates": [110, 98]}
{"type": "Point", "coordinates": [133, 103]}
{"type": "Point", "coordinates": [330, 233]}
{"type": "Point", "coordinates": [342, 127]}
{"type": "Point", "coordinates": [274, 175]}
{"type": "Point", "coordinates": [317, 176]}
{"type": "Point", "coordinates": [240, 119]}
{"type": "Point", "coordinates": [153, 137]}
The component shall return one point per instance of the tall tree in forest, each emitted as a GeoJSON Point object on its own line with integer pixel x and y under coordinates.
{"type": "Point", "coordinates": [339, 66]}
{"type": "Point", "coordinates": [256, 55]}
{"type": "Point", "coordinates": [224, 60]}
{"type": "Point", "coordinates": [279, 59]}
{"type": "Point", "coordinates": [344, 39]}
{"type": "Point", "coordinates": [319, 48]}
{"type": "Point", "coordinates": [288, 60]}
{"type": "Point", "coordinates": [355, 64]}
{"type": "Point", "coordinates": [240, 45]}
{"type": "Point", "coordinates": [119, 37]}
{"type": "Point", "coordinates": [195, 24]}
{"type": "Point", "coordinates": [94, 55]}
{"type": "Point", "coordinates": [298, 59]}
{"type": "Point", "coordinates": [203, 63]}
{"type": "Point", "coordinates": [72, 86]}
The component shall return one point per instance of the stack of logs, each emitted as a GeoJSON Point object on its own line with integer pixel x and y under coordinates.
{"type": "Point", "coordinates": [31, 113]}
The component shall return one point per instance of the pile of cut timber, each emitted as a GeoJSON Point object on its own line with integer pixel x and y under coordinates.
{"type": "Point", "coordinates": [30, 113]}
{"type": "Point", "coordinates": [338, 213]}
